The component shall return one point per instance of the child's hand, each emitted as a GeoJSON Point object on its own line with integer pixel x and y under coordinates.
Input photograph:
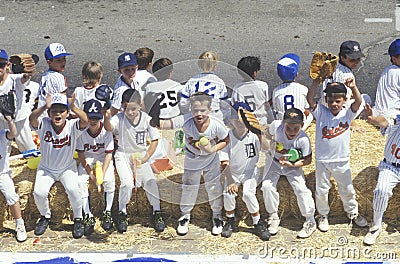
{"type": "Point", "coordinates": [209, 148]}
{"type": "Point", "coordinates": [284, 162]}
{"type": "Point", "coordinates": [71, 100]}
{"type": "Point", "coordinates": [232, 188]}
{"type": "Point", "coordinates": [8, 118]}
{"type": "Point", "coordinates": [48, 101]}
{"type": "Point", "coordinates": [368, 112]}
{"type": "Point", "coordinates": [350, 82]}
{"type": "Point", "coordinates": [92, 177]}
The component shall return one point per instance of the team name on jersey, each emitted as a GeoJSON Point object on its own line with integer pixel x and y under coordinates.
{"type": "Point", "coordinates": [58, 142]}
{"type": "Point", "coordinates": [94, 148]}
{"type": "Point", "coordinates": [334, 131]}
{"type": "Point", "coordinates": [395, 151]}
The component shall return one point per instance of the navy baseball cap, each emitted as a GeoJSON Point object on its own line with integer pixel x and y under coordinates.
{"type": "Point", "coordinates": [293, 116]}
{"type": "Point", "coordinates": [126, 59]}
{"type": "Point", "coordinates": [335, 87]}
{"type": "Point", "coordinates": [92, 109]}
{"type": "Point", "coordinates": [351, 49]}
{"type": "Point", "coordinates": [394, 48]}
{"type": "Point", "coordinates": [235, 108]}
{"type": "Point", "coordinates": [288, 66]}
{"type": "Point", "coordinates": [3, 54]}
{"type": "Point", "coordinates": [54, 51]}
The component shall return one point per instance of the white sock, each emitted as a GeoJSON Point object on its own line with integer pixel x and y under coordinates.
{"type": "Point", "coordinates": [274, 215]}
{"type": "Point", "coordinates": [19, 221]}
{"type": "Point", "coordinates": [85, 206]}
{"type": "Point", "coordinates": [256, 219]}
{"type": "Point", "coordinates": [230, 215]}
{"type": "Point", "coordinates": [109, 197]}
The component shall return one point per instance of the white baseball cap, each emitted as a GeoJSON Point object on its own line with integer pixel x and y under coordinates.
{"type": "Point", "coordinates": [55, 50]}
{"type": "Point", "coordinates": [59, 99]}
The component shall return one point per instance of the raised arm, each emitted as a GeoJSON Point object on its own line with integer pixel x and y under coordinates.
{"type": "Point", "coordinates": [379, 121]}
{"type": "Point", "coordinates": [33, 118]}
{"type": "Point", "coordinates": [12, 133]}
{"type": "Point", "coordinates": [311, 93]}
{"type": "Point", "coordinates": [83, 120]}
{"type": "Point", "coordinates": [350, 82]}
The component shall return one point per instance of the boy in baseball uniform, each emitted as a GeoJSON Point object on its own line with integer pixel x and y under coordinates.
{"type": "Point", "coordinates": [96, 144]}
{"type": "Point", "coordinates": [58, 140]}
{"type": "Point", "coordinates": [25, 93]}
{"type": "Point", "coordinates": [389, 171]}
{"type": "Point", "coordinates": [131, 158]}
{"type": "Point", "coordinates": [144, 58]}
{"type": "Point", "coordinates": [255, 93]}
{"type": "Point", "coordinates": [53, 81]}
{"type": "Point", "coordinates": [6, 182]}
{"type": "Point", "coordinates": [208, 82]}
{"type": "Point", "coordinates": [239, 159]}
{"type": "Point", "coordinates": [332, 149]}
{"type": "Point", "coordinates": [127, 67]}
{"type": "Point", "coordinates": [290, 94]}
{"type": "Point", "coordinates": [288, 134]}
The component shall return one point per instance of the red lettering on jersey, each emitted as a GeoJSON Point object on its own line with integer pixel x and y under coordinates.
{"type": "Point", "coordinates": [334, 131]}
{"type": "Point", "coordinates": [394, 146]}
{"type": "Point", "coordinates": [58, 142]}
{"type": "Point", "coordinates": [94, 148]}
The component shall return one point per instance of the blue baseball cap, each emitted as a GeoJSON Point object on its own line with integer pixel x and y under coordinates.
{"type": "Point", "coordinates": [235, 108]}
{"type": "Point", "coordinates": [394, 48]}
{"type": "Point", "coordinates": [54, 51]}
{"type": "Point", "coordinates": [3, 54]}
{"type": "Point", "coordinates": [126, 59]}
{"type": "Point", "coordinates": [92, 109]}
{"type": "Point", "coordinates": [288, 66]}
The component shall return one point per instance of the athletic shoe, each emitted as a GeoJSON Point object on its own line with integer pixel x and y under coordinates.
{"type": "Point", "coordinates": [159, 225]}
{"type": "Point", "coordinates": [229, 227]}
{"type": "Point", "coordinates": [323, 223]}
{"type": "Point", "coordinates": [88, 223]}
{"type": "Point", "coordinates": [79, 228]}
{"type": "Point", "coordinates": [183, 226]}
{"type": "Point", "coordinates": [121, 223]}
{"type": "Point", "coordinates": [372, 235]}
{"type": "Point", "coordinates": [273, 225]}
{"type": "Point", "coordinates": [358, 220]}
{"type": "Point", "coordinates": [262, 231]}
{"type": "Point", "coordinates": [218, 224]}
{"type": "Point", "coordinates": [307, 230]}
{"type": "Point", "coordinates": [41, 225]}
{"type": "Point", "coordinates": [107, 221]}
{"type": "Point", "coordinates": [21, 232]}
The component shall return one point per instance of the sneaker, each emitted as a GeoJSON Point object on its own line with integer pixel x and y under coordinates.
{"type": "Point", "coordinates": [122, 223]}
{"type": "Point", "coordinates": [21, 232]}
{"type": "Point", "coordinates": [79, 228]}
{"type": "Point", "coordinates": [262, 231]}
{"type": "Point", "coordinates": [358, 220]}
{"type": "Point", "coordinates": [372, 235]}
{"type": "Point", "coordinates": [107, 221]}
{"type": "Point", "coordinates": [229, 227]}
{"type": "Point", "coordinates": [41, 226]}
{"type": "Point", "coordinates": [323, 223]}
{"type": "Point", "coordinates": [218, 224]}
{"type": "Point", "coordinates": [307, 230]}
{"type": "Point", "coordinates": [88, 223]}
{"type": "Point", "coordinates": [183, 226]}
{"type": "Point", "coordinates": [159, 225]}
{"type": "Point", "coordinates": [273, 225]}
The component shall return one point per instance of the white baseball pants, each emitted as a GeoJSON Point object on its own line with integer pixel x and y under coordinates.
{"type": "Point", "coordinates": [8, 189]}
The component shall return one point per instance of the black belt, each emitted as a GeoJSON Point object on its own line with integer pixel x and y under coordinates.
{"type": "Point", "coordinates": [397, 165]}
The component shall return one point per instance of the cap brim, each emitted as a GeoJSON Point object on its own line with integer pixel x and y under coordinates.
{"type": "Point", "coordinates": [94, 116]}
{"type": "Point", "coordinates": [292, 121]}
{"type": "Point", "coordinates": [61, 55]}
{"type": "Point", "coordinates": [357, 55]}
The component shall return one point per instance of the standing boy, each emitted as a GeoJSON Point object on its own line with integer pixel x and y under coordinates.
{"type": "Point", "coordinates": [131, 158]}
{"type": "Point", "coordinates": [58, 139]}
{"type": "Point", "coordinates": [144, 58]}
{"type": "Point", "coordinates": [96, 144]}
{"type": "Point", "coordinates": [288, 133]}
{"type": "Point", "coordinates": [332, 149]}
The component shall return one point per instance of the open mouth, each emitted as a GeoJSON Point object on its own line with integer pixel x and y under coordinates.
{"type": "Point", "coordinates": [57, 119]}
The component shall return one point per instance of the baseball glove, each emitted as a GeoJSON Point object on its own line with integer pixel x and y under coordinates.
{"type": "Point", "coordinates": [323, 65]}
{"type": "Point", "coordinates": [7, 104]}
{"type": "Point", "coordinates": [152, 104]}
{"type": "Point", "coordinates": [250, 121]}
{"type": "Point", "coordinates": [24, 63]}
{"type": "Point", "coordinates": [103, 93]}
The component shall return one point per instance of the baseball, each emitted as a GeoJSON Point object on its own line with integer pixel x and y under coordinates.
{"type": "Point", "coordinates": [204, 141]}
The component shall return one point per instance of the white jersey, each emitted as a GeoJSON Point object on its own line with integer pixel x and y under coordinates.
{"type": "Point", "coordinates": [4, 152]}
{"type": "Point", "coordinates": [242, 154]}
{"type": "Point", "coordinates": [169, 89]}
{"type": "Point", "coordinates": [143, 77]}
{"type": "Point", "coordinates": [208, 83]}
{"type": "Point", "coordinates": [82, 95]}
{"type": "Point", "coordinates": [256, 94]}
{"type": "Point", "coordinates": [340, 75]}
{"type": "Point", "coordinates": [332, 135]}
{"type": "Point", "coordinates": [388, 90]}
{"type": "Point", "coordinates": [57, 149]}
{"type": "Point", "coordinates": [96, 146]}
{"type": "Point", "coordinates": [25, 95]}
{"type": "Point", "coordinates": [51, 83]}
{"type": "Point", "coordinates": [132, 137]}
{"type": "Point", "coordinates": [120, 87]}
{"type": "Point", "coordinates": [289, 95]}
{"type": "Point", "coordinates": [302, 141]}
